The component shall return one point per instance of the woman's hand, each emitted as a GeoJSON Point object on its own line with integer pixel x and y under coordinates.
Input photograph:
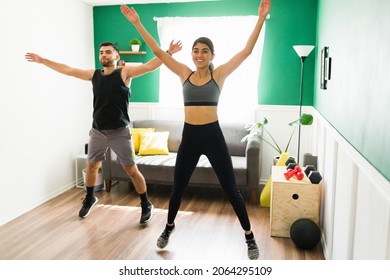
{"type": "Point", "coordinates": [174, 47]}
{"type": "Point", "coordinates": [130, 14]}
{"type": "Point", "coordinates": [264, 8]}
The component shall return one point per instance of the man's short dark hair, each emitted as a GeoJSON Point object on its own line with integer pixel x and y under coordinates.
{"type": "Point", "coordinates": [109, 44]}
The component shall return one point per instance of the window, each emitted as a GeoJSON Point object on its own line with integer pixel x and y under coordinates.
{"type": "Point", "coordinates": [229, 35]}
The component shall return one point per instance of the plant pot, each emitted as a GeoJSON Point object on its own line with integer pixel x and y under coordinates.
{"type": "Point", "coordinates": [276, 158]}
{"type": "Point", "coordinates": [135, 48]}
{"type": "Point", "coordinates": [99, 186]}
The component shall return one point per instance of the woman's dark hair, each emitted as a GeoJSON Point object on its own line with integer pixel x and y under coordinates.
{"type": "Point", "coordinates": [206, 41]}
{"type": "Point", "coordinates": [109, 44]}
{"type": "Point", "coordinates": [209, 43]}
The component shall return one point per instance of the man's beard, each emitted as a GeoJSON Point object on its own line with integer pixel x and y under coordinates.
{"type": "Point", "coordinates": [107, 63]}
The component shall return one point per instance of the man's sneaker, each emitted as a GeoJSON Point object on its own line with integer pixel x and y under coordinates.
{"type": "Point", "coordinates": [253, 250]}
{"type": "Point", "coordinates": [88, 202]}
{"type": "Point", "coordinates": [162, 241]}
{"type": "Point", "coordinates": [147, 212]}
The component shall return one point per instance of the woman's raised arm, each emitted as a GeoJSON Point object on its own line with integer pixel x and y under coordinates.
{"type": "Point", "coordinates": [178, 68]}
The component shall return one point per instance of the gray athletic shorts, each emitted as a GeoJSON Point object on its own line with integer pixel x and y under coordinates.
{"type": "Point", "coordinates": [119, 140]}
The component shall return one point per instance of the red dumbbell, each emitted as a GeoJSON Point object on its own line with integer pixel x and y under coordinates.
{"type": "Point", "coordinates": [297, 172]}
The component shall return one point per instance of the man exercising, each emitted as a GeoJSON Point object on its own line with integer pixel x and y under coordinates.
{"type": "Point", "coordinates": [111, 93]}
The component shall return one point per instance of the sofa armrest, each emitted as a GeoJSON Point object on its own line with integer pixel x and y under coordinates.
{"type": "Point", "coordinates": [253, 161]}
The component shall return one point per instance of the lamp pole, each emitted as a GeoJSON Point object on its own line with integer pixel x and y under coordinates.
{"type": "Point", "coordinates": [300, 104]}
{"type": "Point", "coordinates": [303, 52]}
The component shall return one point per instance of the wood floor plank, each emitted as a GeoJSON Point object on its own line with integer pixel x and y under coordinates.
{"type": "Point", "coordinates": [206, 229]}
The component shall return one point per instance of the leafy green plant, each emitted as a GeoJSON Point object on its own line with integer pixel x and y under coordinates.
{"type": "Point", "coordinates": [135, 41]}
{"type": "Point", "coordinates": [259, 130]}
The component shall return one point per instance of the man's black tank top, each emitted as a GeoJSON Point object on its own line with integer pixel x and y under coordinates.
{"type": "Point", "coordinates": [110, 100]}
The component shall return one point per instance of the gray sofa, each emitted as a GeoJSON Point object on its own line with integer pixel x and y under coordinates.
{"type": "Point", "coordinates": [159, 169]}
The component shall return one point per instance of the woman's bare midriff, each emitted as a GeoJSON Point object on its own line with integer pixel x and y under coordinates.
{"type": "Point", "coordinates": [199, 115]}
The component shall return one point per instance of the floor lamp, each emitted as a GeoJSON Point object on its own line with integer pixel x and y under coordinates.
{"type": "Point", "coordinates": [303, 52]}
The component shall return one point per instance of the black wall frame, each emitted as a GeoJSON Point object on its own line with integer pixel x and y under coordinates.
{"type": "Point", "coordinates": [326, 63]}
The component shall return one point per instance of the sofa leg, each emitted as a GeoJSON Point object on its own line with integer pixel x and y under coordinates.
{"type": "Point", "coordinates": [254, 196]}
{"type": "Point", "coordinates": [108, 184]}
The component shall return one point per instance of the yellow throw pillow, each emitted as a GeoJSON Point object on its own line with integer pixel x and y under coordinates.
{"type": "Point", "coordinates": [135, 136]}
{"type": "Point", "coordinates": [153, 143]}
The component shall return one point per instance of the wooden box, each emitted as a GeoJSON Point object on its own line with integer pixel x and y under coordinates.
{"type": "Point", "coordinates": [291, 200]}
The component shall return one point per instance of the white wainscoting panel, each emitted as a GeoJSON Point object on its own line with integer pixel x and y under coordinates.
{"type": "Point", "coordinates": [345, 199]}
{"type": "Point", "coordinates": [356, 200]}
{"type": "Point", "coordinates": [329, 150]}
{"type": "Point", "coordinates": [372, 219]}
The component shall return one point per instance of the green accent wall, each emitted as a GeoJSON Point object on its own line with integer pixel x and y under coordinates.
{"type": "Point", "coordinates": [357, 100]}
{"type": "Point", "coordinates": [292, 22]}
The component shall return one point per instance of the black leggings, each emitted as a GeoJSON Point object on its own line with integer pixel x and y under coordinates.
{"type": "Point", "coordinates": [208, 140]}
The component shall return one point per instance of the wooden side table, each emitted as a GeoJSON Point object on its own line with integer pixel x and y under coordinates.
{"type": "Point", "coordinates": [292, 200]}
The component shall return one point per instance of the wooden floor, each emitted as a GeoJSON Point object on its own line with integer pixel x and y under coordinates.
{"type": "Point", "coordinates": [206, 229]}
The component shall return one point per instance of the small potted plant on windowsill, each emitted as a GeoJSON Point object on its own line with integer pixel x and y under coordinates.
{"type": "Point", "coordinates": [258, 129]}
{"type": "Point", "coordinates": [135, 44]}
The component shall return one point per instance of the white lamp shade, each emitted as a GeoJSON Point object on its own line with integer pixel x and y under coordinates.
{"type": "Point", "coordinates": [303, 51]}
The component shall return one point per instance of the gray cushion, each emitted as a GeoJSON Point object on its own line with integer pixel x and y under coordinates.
{"type": "Point", "coordinates": [161, 168]}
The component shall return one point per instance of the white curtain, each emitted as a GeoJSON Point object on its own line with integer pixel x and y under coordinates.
{"type": "Point", "coordinates": [229, 35]}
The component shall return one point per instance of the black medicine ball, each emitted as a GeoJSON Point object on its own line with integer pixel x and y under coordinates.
{"type": "Point", "coordinates": [305, 233]}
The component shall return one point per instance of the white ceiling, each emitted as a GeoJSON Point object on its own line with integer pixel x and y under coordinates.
{"type": "Point", "coordinates": [129, 2]}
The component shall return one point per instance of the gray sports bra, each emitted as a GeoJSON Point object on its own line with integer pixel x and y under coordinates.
{"type": "Point", "coordinates": [204, 95]}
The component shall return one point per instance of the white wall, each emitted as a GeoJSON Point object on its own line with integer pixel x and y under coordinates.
{"type": "Point", "coordinates": [44, 116]}
{"type": "Point", "coordinates": [355, 216]}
